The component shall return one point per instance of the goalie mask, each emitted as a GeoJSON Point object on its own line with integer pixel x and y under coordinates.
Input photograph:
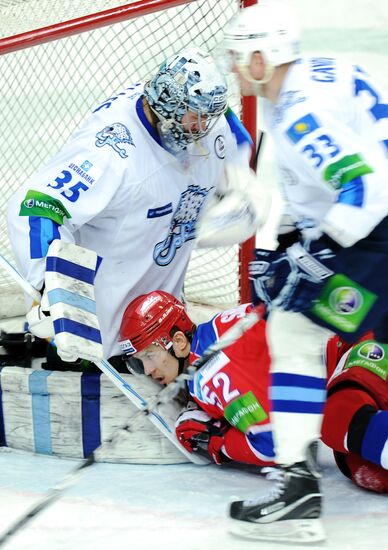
{"type": "Point", "coordinates": [149, 319]}
{"type": "Point", "coordinates": [269, 28]}
{"type": "Point", "coordinates": [187, 82]}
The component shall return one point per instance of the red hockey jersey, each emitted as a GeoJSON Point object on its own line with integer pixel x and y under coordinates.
{"type": "Point", "coordinates": [358, 377]}
{"type": "Point", "coordinates": [234, 385]}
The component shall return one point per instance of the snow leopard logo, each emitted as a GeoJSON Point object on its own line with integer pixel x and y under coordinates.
{"type": "Point", "coordinates": [183, 224]}
{"type": "Point", "coordinates": [114, 135]}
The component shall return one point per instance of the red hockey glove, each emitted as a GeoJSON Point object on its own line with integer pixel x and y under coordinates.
{"type": "Point", "coordinates": [197, 431]}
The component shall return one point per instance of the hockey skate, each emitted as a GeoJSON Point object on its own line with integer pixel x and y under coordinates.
{"type": "Point", "coordinates": [290, 513]}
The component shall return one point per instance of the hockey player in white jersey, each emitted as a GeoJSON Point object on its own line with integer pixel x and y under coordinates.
{"type": "Point", "coordinates": [130, 185]}
{"type": "Point", "coordinates": [328, 120]}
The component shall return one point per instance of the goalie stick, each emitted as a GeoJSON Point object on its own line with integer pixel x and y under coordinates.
{"type": "Point", "coordinates": [114, 376]}
{"type": "Point", "coordinates": [165, 395]}
{"type": "Point", "coordinates": [146, 407]}
{"type": "Point", "coordinates": [230, 336]}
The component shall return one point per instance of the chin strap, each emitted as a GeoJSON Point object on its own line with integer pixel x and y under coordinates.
{"type": "Point", "coordinates": [183, 364]}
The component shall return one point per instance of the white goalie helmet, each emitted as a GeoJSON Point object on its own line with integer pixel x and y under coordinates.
{"type": "Point", "coordinates": [187, 81]}
{"type": "Point", "coordinates": [270, 28]}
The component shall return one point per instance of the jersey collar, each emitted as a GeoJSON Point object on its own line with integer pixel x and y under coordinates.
{"type": "Point", "coordinates": [144, 120]}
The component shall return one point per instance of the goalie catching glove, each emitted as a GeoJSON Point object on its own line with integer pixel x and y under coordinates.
{"type": "Point", "coordinates": [197, 431]}
{"type": "Point", "coordinates": [292, 280]}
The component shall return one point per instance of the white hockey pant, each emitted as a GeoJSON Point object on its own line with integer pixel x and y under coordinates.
{"type": "Point", "coordinates": [298, 382]}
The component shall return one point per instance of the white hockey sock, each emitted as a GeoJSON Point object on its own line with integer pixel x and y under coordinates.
{"type": "Point", "coordinates": [298, 383]}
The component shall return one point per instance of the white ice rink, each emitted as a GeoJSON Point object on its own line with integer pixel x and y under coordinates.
{"type": "Point", "coordinates": [178, 507]}
{"type": "Point", "coordinates": [183, 507]}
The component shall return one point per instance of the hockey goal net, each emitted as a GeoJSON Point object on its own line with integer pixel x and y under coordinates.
{"type": "Point", "coordinates": [59, 58]}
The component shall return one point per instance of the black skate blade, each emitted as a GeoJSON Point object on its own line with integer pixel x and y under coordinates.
{"type": "Point", "coordinates": [296, 531]}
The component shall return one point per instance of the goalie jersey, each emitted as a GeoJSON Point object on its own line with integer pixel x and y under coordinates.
{"type": "Point", "coordinates": [114, 189]}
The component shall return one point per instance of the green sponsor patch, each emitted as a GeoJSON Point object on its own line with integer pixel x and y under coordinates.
{"type": "Point", "coordinates": [346, 169]}
{"type": "Point", "coordinates": [343, 303]}
{"type": "Point", "coordinates": [43, 206]}
{"type": "Point", "coordinates": [369, 355]}
{"type": "Point", "coordinates": [244, 411]}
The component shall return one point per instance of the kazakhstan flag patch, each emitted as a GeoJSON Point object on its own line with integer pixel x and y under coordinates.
{"type": "Point", "coordinates": [302, 127]}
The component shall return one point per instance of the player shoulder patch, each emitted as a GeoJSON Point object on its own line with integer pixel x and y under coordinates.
{"type": "Point", "coordinates": [41, 205]}
{"type": "Point", "coordinates": [115, 135]}
{"type": "Point", "coordinates": [369, 355]}
{"type": "Point", "coordinates": [245, 411]}
{"type": "Point", "coordinates": [302, 127]}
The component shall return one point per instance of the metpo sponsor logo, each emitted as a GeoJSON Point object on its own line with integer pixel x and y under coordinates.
{"type": "Point", "coordinates": [336, 178]}
{"type": "Point", "coordinates": [31, 203]}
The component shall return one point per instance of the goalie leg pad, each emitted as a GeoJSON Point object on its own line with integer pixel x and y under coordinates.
{"type": "Point", "coordinates": [69, 278]}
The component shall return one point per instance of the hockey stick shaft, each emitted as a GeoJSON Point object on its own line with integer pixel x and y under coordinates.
{"type": "Point", "coordinates": [73, 476]}
{"type": "Point", "coordinates": [16, 276]}
{"type": "Point", "coordinates": [227, 339]}
{"type": "Point", "coordinates": [114, 376]}
{"type": "Point", "coordinates": [259, 148]}
{"type": "Point", "coordinates": [155, 418]}
{"type": "Point", "coordinates": [53, 495]}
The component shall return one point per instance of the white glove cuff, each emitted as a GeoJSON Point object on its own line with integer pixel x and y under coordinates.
{"type": "Point", "coordinates": [40, 324]}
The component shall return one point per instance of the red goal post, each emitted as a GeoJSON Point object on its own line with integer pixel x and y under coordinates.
{"type": "Point", "coordinates": [58, 61]}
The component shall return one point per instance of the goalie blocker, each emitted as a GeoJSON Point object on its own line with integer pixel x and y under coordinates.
{"type": "Point", "coordinates": [68, 309]}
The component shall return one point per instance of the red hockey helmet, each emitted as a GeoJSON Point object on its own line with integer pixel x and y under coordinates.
{"type": "Point", "coordinates": [149, 319]}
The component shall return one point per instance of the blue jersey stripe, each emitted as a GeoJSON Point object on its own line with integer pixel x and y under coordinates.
{"type": "Point", "coordinates": [76, 271]}
{"type": "Point", "coordinates": [237, 128]}
{"type": "Point", "coordinates": [263, 443]}
{"type": "Point", "coordinates": [78, 329]}
{"type": "Point", "coordinates": [298, 380]}
{"type": "Point", "coordinates": [90, 406]}
{"type": "Point", "coordinates": [204, 336]}
{"type": "Point", "coordinates": [40, 400]}
{"type": "Point", "coordinates": [297, 394]}
{"type": "Point", "coordinates": [144, 120]}
{"type": "Point", "coordinates": [42, 233]}
{"type": "Point", "coordinates": [375, 437]}
{"type": "Point", "coordinates": [306, 407]}
{"type": "Point", "coordinates": [60, 295]}
{"type": "Point", "coordinates": [352, 193]}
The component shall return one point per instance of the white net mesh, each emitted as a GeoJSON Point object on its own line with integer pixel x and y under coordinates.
{"type": "Point", "coordinates": [47, 90]}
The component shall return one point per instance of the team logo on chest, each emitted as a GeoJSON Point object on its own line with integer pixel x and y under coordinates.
{"type": "Point", "coordinates": [183, 224]}
{"type": "Point", "coordinates": [114, 136]}
{"type": "Point", "coordinates": [219, 147]}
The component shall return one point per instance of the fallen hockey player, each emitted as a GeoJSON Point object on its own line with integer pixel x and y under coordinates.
{"type": "Point", "coordinates": [230, 417]}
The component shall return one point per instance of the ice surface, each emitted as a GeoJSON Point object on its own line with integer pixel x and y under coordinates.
{"type": "Point", "coordinates": [179, 507]}
{"type": "Point", "coordinates": [183, 507]}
